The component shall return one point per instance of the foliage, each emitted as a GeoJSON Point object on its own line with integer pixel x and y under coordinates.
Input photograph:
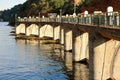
{"type": "Point", "coordinates": [34, 7]}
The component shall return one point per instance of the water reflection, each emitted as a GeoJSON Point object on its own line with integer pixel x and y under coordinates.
{"type": "Point", "coordinates": [75, 71]}
{"type": "Point", "coordinates": [25, 60]}
{"type": "Point", "coordinates": [30, 60]}
{"type": "Point", "coordinates": [80, 71]}
{"type": "Point", "coordinates": [68, 61]}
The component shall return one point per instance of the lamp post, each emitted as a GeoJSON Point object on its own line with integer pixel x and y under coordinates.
{"type": "Point", "coordinates": [74, 8]}
{"type": "Point", "coordinates": [60, 12]}
{"type": "Point", "coordinates": [39, 16]}
{"type": "Point", "coordinates": [60, 15]}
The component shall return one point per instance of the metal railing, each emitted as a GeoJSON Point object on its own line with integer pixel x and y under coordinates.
{"type": "Point", "coordinates": [111, 19]}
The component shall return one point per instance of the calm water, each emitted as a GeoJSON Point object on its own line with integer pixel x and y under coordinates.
{"type": "Point", "coordinates": [25, 60]}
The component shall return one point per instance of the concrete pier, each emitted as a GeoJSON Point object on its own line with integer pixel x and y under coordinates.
{"type": "Point", "coordinates": [56, 32]}
{"type": "Point", "coordinates": [20, 29]}
{"type": "Point", "coordinates": [80, 45]}
{"type": "Point", "coordinates": [46, 31]}
{"type": "Point", "coordinates": [68, 40]}
{"type": "Point", "coordinates": [32, 30]}
{"type": "Point", "coordinates": [61, 35]}
{"type": "Point", "coordinates": [76, 45]}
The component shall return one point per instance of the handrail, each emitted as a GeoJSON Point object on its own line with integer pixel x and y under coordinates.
{"type": "Point", "coordinates": [111, 19]}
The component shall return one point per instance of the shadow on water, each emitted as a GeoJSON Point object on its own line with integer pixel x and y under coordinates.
{"type": "Point", "coordinates": [74, 71]}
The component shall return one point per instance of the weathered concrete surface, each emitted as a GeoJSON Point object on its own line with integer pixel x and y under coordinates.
{"type": "Point", "coordinates": [56, 32]}
{"type": "Point", "coordinates": [20, 29]}
{"type": "Point", "coordinates": [115, 64]}
{"type": "Point", "coordinates": [81, 72]}
{"type": "Point", "coordinates": [76, 49]}
{"type": "Point", "coordinates": [80, 45]}
{"type": "Point", "coordinates": [68, 39]}
{"type": "Point", "coordinates": [108, 32]}
{"type": "Point", "coordinates": [61, 36]}
{"type": "Point", "coordinates": [46, 31]}
{"type": "Point", "coordinates": [103, 62]}
{"type": "Point", "coordinates": [32, 30]}
{"type": "Point", "coordinates": [84, 46]}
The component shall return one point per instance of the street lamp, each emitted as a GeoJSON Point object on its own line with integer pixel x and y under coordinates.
{"type": "Point", "coordinates": [60, 14]}
{"type": "Point", "coordinates": [39, 14]}
{"type": "Point", "coordinates": [74, 8]}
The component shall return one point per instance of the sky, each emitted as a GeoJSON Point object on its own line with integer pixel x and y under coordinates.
{"type": "Point", "coordinates": [7, 4]}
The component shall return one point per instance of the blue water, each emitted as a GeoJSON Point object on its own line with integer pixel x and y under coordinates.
{"type": "Point", "coordinates": [20, 61]}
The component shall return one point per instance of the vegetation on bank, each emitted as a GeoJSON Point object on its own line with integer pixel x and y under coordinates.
{"type": "Point", "coordinates": [43, 7]}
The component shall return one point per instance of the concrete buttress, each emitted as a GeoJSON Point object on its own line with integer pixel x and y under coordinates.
{"type": "Point", "coordinates": [20, 29]}
{"type": "Point", "coordinates": [68, 39]}
{"type": "Point", "coordinates": [103, 58]}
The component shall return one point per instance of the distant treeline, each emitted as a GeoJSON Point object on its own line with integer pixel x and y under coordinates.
{"type": "Point", "coordinates": [42, 7]}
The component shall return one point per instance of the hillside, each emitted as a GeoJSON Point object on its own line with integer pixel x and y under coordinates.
{"type": "Point", "coordinates": [43, 7]}
{"type": "Point", "coordinates": [101, 5]}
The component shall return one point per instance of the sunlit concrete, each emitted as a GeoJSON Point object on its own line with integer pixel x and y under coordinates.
{"type": "Point", "coordinates": [20, 29]}
{"type": "Point", "coordinates": [67, 39]}
{"type": "Point", "coordinates": [80, 45]}
{"type": "Point", "coordinates": [84, 46]}
{"type": "Point", "coordinates": [61, 36]}
{"type": "Point", "coordinates": [56, 32]}
{"type": "Point", "coordinates": [104, 62]}
{"type": "Point", "coordinates": [32, 30]}
{"type": "Point", "coordinates": [46, 30]}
